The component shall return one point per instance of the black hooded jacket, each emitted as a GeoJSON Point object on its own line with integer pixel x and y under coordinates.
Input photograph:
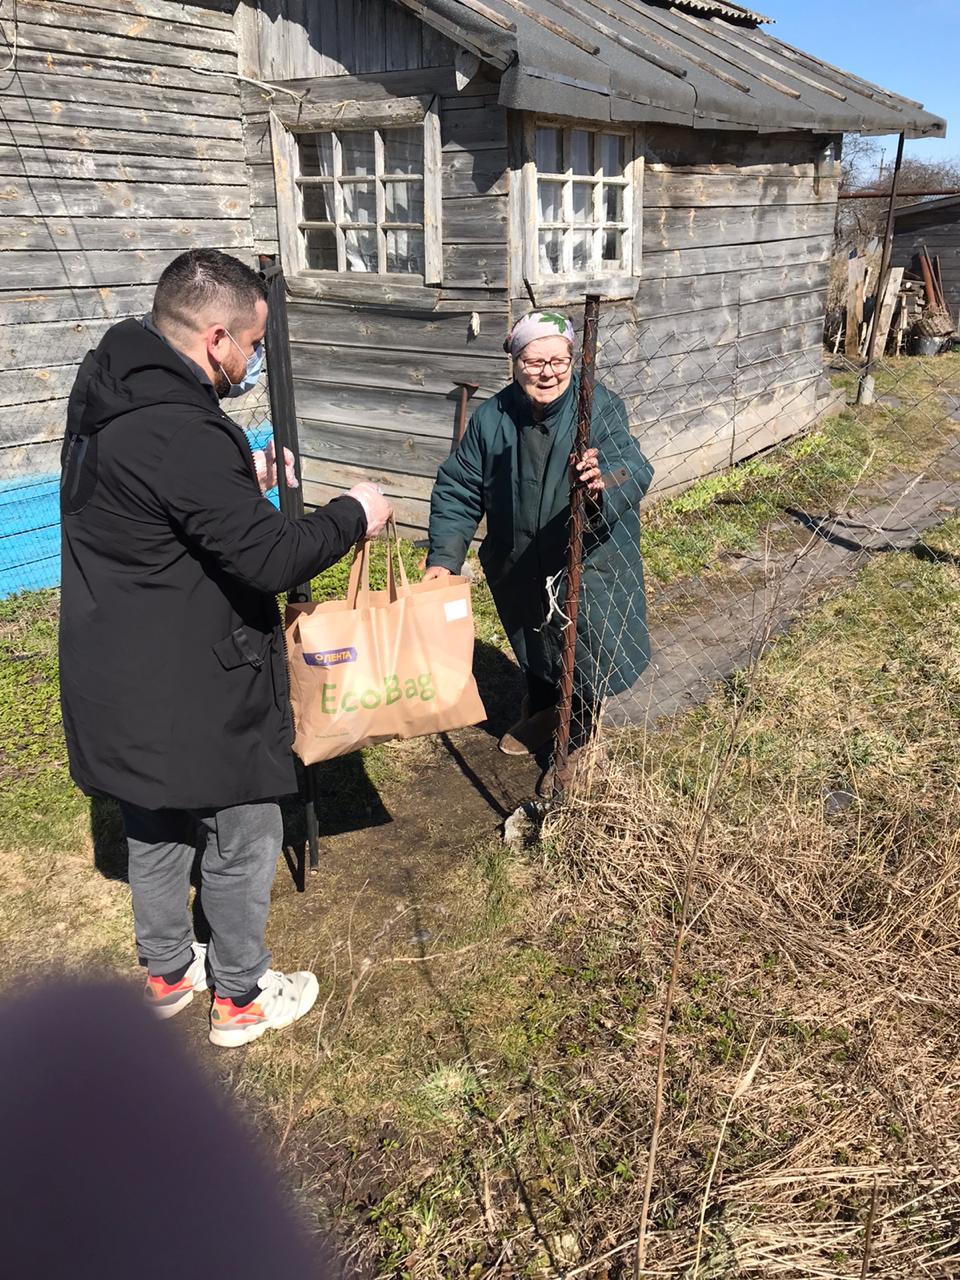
{"type": "Point", "coordinates": [172, 672]}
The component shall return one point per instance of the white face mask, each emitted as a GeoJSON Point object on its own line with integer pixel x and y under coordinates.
{"type": "Point", "coordinates": [252, 375]}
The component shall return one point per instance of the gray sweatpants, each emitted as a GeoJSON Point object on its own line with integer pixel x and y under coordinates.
{"type": "Point", "coordinates": [238, 860]}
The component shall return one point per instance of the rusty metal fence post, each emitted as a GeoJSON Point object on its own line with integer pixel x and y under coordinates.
{"type": "Point", "coordinates": [561, 777]}
{"type": "Point", "coordinates": [283, 416]}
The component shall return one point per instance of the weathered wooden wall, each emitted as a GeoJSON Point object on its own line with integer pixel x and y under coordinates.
{"type": "Point", "coordinates": [720, 355]}
{"type": "Point", "coordinates": [374, 377]}
{"type": "Point", "coordinates": [939, 230]}
{"type": "Point", "coordinates": [120, 146]}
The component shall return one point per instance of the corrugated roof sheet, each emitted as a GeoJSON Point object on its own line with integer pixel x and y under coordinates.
{"type": "Point", "coordinates": [714, 7]}
{"type": "Point", "coordinates": [636, 60]}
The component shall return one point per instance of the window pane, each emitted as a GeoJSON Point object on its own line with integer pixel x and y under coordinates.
{"type": "Point", "coordinates": [551, 201]}
{"type": "Point", "coordinates": [359, 202]}
{"type": "Point", "coordinates": [583, 202]}
{"type": "Point", "coordinates": [548, 154]}
{"type": "Point", "coordinates": [612, 247]}
{"type": "Point", "coordinates": [551, 252]}
{"type": "Point", "coordinates": [581, 151]}
{"type": "Point", "coordinates": [404, 201]}
{"type": "Point", "coordinates": [613, 204]}
{"type": "Point", "coordinates": [405, 252]}
{"type": "Point", "coordinates": [321, 249]}
{"type": "Point", "coordinates": [316, 154]}
{"type": "Point", "coordinates": [318, 203]}
{"type": "Point", "coordinates": [582, 249]}
{"type": "Point", "coordinates": [611, 154]}
{"type": "Point", "coordinates": [402, 150]}
{"type": "Point", "coordinates": [357, 152]}
{"type": "Point", "coordinates": [361, 250]}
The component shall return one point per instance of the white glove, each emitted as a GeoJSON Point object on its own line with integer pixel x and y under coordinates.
{"type": "Point", "coordinates": [265, 461]}
{"type": "Point", "coordinates": [375, 506]}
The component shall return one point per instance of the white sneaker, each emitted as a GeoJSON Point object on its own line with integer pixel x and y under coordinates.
{"type": "Point", "coordinates": [286, 997]}
{"type": "Point", "coordinates": [164, 999]}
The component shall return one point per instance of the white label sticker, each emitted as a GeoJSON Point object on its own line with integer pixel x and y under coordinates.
{"type": "Point", "coordinates": [455, 609]}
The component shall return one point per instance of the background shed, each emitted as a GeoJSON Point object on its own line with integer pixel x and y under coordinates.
{"type": "Point", "coordinates": [936, 224]}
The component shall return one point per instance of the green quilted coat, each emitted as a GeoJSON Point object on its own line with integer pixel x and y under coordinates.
{"type": "Point", "coordinates": [515, 473]}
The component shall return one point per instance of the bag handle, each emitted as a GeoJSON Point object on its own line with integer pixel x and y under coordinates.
{"type": "Point", "coordinates": [393, 548]}
{"type": "Point", "coordinates": [358, 588]}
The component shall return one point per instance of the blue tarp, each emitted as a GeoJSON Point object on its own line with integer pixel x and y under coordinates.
{"type": "Point", "coordinates": [30, 526]}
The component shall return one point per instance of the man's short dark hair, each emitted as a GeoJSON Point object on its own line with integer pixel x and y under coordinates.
{"type": "Point", "coordinates": [202, 278]}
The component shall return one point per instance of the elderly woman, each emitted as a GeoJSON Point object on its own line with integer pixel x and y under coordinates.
{"type": "Point", "coordinates": [514, 467]}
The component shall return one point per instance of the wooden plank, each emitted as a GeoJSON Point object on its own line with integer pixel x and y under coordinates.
{"type": "Point", "coordinates": [665, 188]}
{"type": "Point", "coordinates": [395, 451]}
{"type": "Point", "coordinates": [776, 343]}
{"type": "Point", "coordinates": [111, 233]}
{"type": "Point", "coordinates": [100, 90]}
{"type": "Point", "coordinates": [479, 128]}
{"type": "Point", "coordinates": [89, 268]}
{"type": "Point", "coordinates": [475, 219]}
{"type": "Point", "coordinates": [123, 24]}
{"type": "Point", "coordinates": [417, 371]}
{"type": "Point", "coordinates": [887, 305]}
{"type": "Point", "coordinates": [145, 71]}
{"type": "Point", "coordinates": [205, 14]}
{"type": "Point", "coordinates": [394, 329]}
{"type": "Point", "coordinates": [50, 382]}
{"type": "Point", "coordinates": [434, 265]}
{"type": "Point", "coordinates": [856, 269]}
{"type": "Point", "coordinates": [486, 173]}
{"type": "Point", "coordinates": [666, 229]}
{"type": "Point", "coordinates": [763, 375]}
{"type": "Point", "coordinates": [93, 43]}
{"type": "Point", "coordinates": [23, 309]}
{"type": "Point", "coordinates": [41, 163]}
{"type": "Point", "coordinates": [412, 515]}
{"type": "Point", "coordinates": [683, 295]}
{"type": "Point", "coordinates": [394, 484]}
{"type": "Point", "coordinates": [477, 265]}
{"type": "Point", "coordinates": [384, 409]}
{"type": "Point", "coordinates": [32, 346]}
{"type": "Point", "coordinates": [81, 198]}
{"type": "Point", "coordinates": [801, 308]}
{"type": "Point", "coordinates": [752, 256]}
{"type": "Point", "coordinates": [90, 115]}
{"type": "Point", "coordinates": [32, 424]}
{"type": "Point", "coordinates": [22, 133]}
{"type": "Point", "coordinates": [685, 368]}
{"type": "Point", "coordinates": [263, 190]}
{"type": "Point", "coordinates": [371, 87]}
{"type": "Point", "coordinates": [772, 418]}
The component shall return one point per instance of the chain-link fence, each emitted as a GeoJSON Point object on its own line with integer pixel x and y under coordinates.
{"type": "Point", "coordinates": [771, 487]}
{"type": "Point", "coordinates": [41, 362]}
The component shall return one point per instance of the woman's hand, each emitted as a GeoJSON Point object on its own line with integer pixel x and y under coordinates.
{"type": "Point", "coordinates": [436, 571]}
{"type": "Point", "coordinates": [586, 472]}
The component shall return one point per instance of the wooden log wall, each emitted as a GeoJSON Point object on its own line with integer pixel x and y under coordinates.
{"type": "Point", "coordinates": [939, 230]}
{"type": "Point", "coordinates": [374, 374]}
{"type": "Point", "coordinates": [720, 355]}
{"type": "Point", "coordinates": [120, 146]}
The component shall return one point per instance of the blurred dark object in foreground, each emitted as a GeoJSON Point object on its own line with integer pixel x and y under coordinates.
{"type": "Point", "coordinates": [120, 1160]}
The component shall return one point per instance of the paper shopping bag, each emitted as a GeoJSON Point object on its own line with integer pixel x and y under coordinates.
{"type": "Point", "coordinates": [385, 664]}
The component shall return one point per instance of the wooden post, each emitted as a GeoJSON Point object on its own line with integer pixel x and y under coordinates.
{"type": "Point", "coordinates": [283, 413]}
{"type": "Point", "coordinates": [865, 391]}
{"type": "Point", "coordinates": [561, 760]}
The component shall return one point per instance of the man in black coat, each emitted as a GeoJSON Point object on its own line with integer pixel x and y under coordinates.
{"type": "Point", "coordinates": [172, 671]}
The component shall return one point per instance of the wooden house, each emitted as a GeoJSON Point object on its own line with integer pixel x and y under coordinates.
{"type": "Point", "coordinates": [936, 224]}
{"type": "Point", "coordinates": [426, 169]}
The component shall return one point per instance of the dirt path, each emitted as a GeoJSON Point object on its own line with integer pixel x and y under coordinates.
{"type": "Point", "coordinates": [703, 630]}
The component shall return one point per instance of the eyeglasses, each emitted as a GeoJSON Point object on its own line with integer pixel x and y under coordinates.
{"type": "Point", "coordinates": [559, 364]}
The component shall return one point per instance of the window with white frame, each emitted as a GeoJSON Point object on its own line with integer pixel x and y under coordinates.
{"type": "Point", "coordinates": [361, 194]}
{"type": "Point", "coordinates": [358, 190]}
{"type": "Point", "coordinates": [583, 186]}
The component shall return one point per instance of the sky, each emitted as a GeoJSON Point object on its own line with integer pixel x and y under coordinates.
{"type": "Point", "coordinates": [910, 48]}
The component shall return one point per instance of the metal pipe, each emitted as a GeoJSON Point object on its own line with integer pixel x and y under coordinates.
{"type": "Point", "coordinates": [865, 390]}
{"type": "Point", "coordinates": [561, 761]}
{"type": "Point", "coordinates": [902, 195]}
{"type": "Point", "coordinates": [283, 413]}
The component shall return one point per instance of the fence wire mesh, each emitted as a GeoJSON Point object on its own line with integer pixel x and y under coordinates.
{"type": "Point", "coordinates": [35, 390]}
{"type": "Point", "coordinates": [772, 487]}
